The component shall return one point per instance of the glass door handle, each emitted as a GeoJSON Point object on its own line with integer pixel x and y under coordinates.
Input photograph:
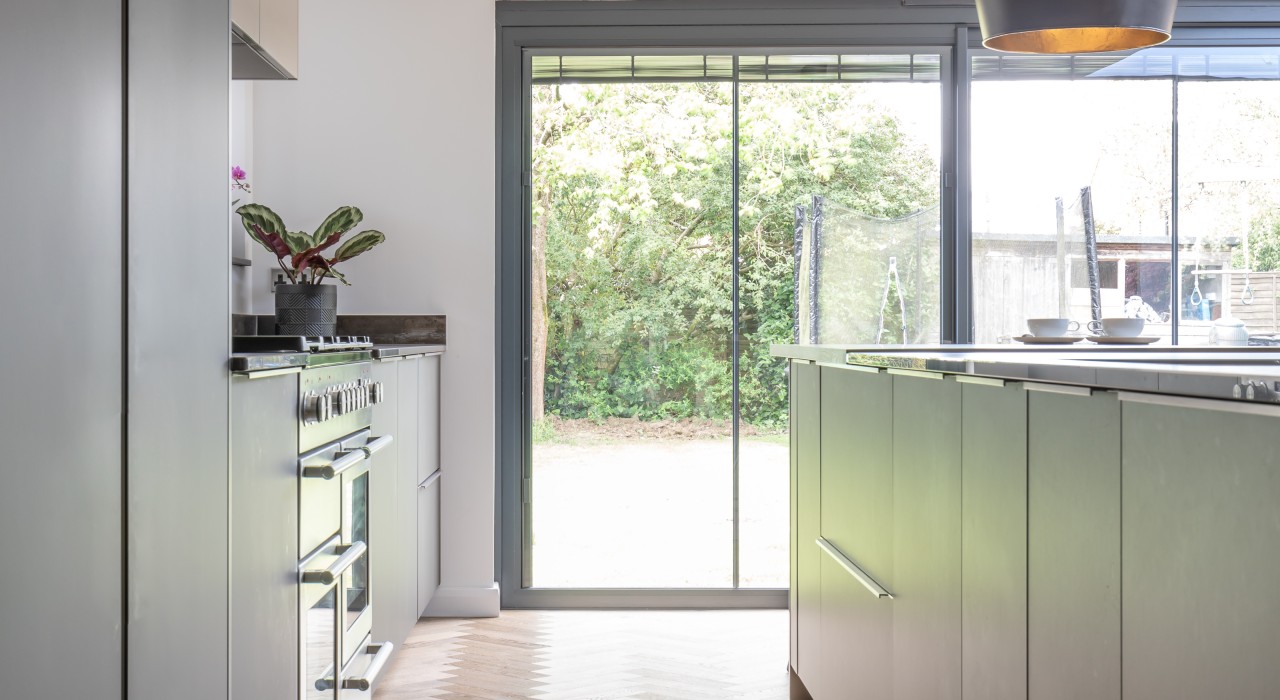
{"type": "Point", "coordinates": [381, 654]}
{"type": "Point", "coordinates": [329, 574]}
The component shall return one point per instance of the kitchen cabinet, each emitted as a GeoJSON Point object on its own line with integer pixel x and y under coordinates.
{"type": "Point", "coordinates": [1073, 531]}
{"type": "Point", "coordinates": [388, 568]}
{"type": "Point", "coordinates": [428, 551]}
{"type": "Point", "coordinates": [926, 537]}
{"type": "Point", "coordinates": [406, 547]}
{"type": "Point", "coordinates": [806, 575]}
{"type": "Point", "coordinates": [264, 537]}
{"type": "Point", "coordinates": [994, 540]}
{"type": "Point", "coordinates": [264, 39]}
{"type": "Point", "coordinates": [856, 516]}
{"type": "Point", "coordinates": [406, 509]}
{"type": "Point", "coordinates": [1201, 516]}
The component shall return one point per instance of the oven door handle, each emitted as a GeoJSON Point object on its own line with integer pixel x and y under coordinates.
{"type": "Point", "coordinates": [331, 573]}
{"type": "Point", "coordinates": [342, 461]}
{"type": "Point", "coordinates": [376, 444]}
{"type": "Point", "coordinates": [381, 654]}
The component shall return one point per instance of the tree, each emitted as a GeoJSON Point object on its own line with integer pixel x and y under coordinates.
{"type": "Point", "coordinates": [632, 229]}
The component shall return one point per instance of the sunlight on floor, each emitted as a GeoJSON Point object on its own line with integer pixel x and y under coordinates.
{"type": "Point", "coordinates": [659, 513]}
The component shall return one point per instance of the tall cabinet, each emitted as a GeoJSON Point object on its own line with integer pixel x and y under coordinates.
{"type": "Point", "coordinates": [405, 511]}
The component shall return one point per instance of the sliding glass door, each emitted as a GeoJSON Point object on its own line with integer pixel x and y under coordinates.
{"type": "Point", "coordinates": [668, 199]}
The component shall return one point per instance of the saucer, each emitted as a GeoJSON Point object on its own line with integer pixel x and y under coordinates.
{"type": "Point", "coordinates": [1123, 339]}
{"type": "Point", "coordinates": [1047, 339]}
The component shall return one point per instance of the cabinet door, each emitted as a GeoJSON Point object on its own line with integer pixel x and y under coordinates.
{"type": "Point", "coordinates": [264, 537]}
{"type": "Point", "coordinates": [994, 534]}
{"type": "Point", "coordinates": [387, 570]}
{"type": "Point", "coordinates": [279, 33]}
{"type": "Point", "coordinates": [428, 542]}
{"type": "Point", "coordinates": [244, 15]}
{"type": "Point", "coordinates": [410, 437]}
{"type": "Point", "coordinates": [806, 431]}
{"type": "Point", "coordinates": [926, 538]}
{"type": "Point", "coordinates": [1073, 531]}
{"type": "Point", "coordinates": [428, 417]}
{"type": "Point", "coordinates": [1201, 560]}
{"type": "Point", "coordinates": [857, 519]}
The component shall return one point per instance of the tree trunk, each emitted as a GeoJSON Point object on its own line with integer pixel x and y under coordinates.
{"type": "Point", "coordinates": [538, 300]}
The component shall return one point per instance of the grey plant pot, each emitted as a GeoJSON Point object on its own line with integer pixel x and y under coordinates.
{"type": "Point", "coordinates": [306, 309]}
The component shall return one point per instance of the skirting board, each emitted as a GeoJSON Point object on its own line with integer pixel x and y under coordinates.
{"type": "Point", "coordinates": [465, 601]}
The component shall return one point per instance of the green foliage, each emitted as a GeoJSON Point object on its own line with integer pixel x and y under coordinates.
{"type": "Point", "coordinates": [639, 233]}
{"type": "Point", "coordinates": [1264, 246]}
{"type": "Point", "coordinates": [298, 251]}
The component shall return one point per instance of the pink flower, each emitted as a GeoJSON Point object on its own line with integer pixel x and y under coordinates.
{"type": "Point", "coordinates": [237, 173]}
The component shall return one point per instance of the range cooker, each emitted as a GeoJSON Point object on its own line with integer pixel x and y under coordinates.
{"type": "Point", "coordinates": [338, 657]}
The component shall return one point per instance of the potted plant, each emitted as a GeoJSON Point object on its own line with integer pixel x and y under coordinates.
{"type": "Point", "coordinates": [306, 306]}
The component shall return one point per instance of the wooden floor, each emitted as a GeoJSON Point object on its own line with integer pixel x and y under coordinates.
{"type": "Point", "coordinates": [563, 655]}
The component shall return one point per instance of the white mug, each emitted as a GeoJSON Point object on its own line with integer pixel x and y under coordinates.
{"type": "Point", "coordinates": [1051, 327]}
{"type": "Point", "coordinates": [1118, 327]}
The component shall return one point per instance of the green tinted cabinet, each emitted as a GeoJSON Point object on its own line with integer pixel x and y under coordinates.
{"type": "Point", "coordinates": [1073, 543]}
{"type": "Point", "coordinates": [806, 572]}
{"type": "Point", "coordinates": [1201, 550]}
{"type": "Point", "coordinates": [926, 538]}
{"type": "Point", "coordinates": [994, 536]}
{"type": "Point", "coordinates": [856, 521]}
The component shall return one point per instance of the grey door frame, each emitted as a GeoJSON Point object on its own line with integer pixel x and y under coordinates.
{"type": "Point", "coordinates": [741, 24]}
{"type": "Point", "coordinates": [655, 26]}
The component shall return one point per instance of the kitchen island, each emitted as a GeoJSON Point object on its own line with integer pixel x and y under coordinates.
{"type": "Point", "coordinates": [1003, 522]}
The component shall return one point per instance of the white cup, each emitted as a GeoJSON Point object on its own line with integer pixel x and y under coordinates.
{"type": "Point", "coordinates": [1118, 327]}
{"type": "Point", "coordinates": [1051, 327]}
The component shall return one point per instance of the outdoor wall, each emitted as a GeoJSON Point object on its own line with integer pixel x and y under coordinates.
{"type": "Point", "coordinates": [393, 112]}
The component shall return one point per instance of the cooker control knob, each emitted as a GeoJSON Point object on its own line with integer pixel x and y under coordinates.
{"type": "Point", "coordinates": [378, 392]}
{"type": "Point", "coordinates": [1259, 391]}
{"type": "Point", "coordinates": [1238, 391]}
{"type": "Point", "coordinates": [317, 408]}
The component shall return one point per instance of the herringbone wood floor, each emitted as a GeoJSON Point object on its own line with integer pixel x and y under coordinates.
{"type": "Point", "coordinates": [596, 655]}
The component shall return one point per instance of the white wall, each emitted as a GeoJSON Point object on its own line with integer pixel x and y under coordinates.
{"type": "Point", "coordinates": [393, 112]}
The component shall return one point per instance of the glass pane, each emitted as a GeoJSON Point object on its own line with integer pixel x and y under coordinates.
{"type": "Point", "coordinates": [631, 335]}
{"type": "Point", "coordinates": [319, 651]}
{"type": "Point", "coordinates": [357, 588]}
{"type": "Point", "coordinates": [867, 154]}
{"type": "Point", "coordinates": [1228, 200]}
{"type": "Point", "coordinates": [1072, 196]}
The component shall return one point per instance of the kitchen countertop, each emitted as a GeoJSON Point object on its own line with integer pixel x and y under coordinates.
{"type": "Point", "coordinates": [257, 362]}
{"type": "Point", "coordinates": [1205, 372]}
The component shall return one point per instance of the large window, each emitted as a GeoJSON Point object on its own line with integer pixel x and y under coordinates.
{"type": "Point", "coordinates": [1091, 175]}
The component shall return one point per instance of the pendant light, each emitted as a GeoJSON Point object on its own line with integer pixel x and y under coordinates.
{"type": "Point", "coordinates": [1074, 26]}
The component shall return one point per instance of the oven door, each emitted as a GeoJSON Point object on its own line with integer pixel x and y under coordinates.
{"type": "Point", "coordinates": [320, 579]}
{"type": "Point", "coordinates": [357, 620]}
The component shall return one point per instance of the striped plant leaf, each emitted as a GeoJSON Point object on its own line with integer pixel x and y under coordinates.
{"type": "Point", "coordinates": [357, 244]}
{"type": "Point", "coordinates": [261, 217]}
{"type": "Point", "coordinates": [343, 219]}
{"type": "Point", "coordinates": [298, 241]}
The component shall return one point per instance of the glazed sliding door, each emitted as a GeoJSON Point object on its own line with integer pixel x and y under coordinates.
{"type": "Point", "coordinates": [673, 201]}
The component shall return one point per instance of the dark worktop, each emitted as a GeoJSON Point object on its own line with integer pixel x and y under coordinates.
{"type": "Point", "coordinates": [1206, 372]}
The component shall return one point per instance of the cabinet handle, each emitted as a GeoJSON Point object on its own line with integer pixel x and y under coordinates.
{"type": "Point", "coordinates": [876, 589]}
{"type": "Point", "coordinates": [329, 574]}
{"type": "Point", "coordinates": [342, 462]}
{"type": "Point", "coordinates": [426, 483]}
{"type": "Point", "coordinates": [381, 653]}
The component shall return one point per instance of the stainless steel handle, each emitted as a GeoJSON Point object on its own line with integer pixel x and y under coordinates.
{"type": "Point", "coordinates": [339, 566]}
{"type": "Point", "coordinates": [381, 654]}
{"type": "Point", "coordinates": [376, 444]}
{"type": "Point", "coordinates": [876, 589]}
{"type": "Point", "coordinates": [426, 483]}
{"type": "Point", "coordinates": [342, 462]}
{"type": "Point", "coordinates": [327, 680]}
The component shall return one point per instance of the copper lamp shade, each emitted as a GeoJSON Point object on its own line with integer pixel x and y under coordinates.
{"type": "Point", "coordinates": [1074, 26]}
